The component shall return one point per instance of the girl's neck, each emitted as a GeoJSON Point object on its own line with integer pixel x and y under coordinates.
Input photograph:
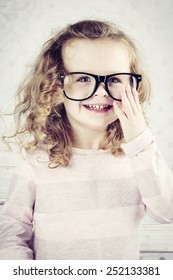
{"type": "Point", "coordinates": [89, 139]}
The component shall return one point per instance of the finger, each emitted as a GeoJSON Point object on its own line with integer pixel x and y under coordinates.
{"type": "Point", "coordinates": [119, 112]}
{"type": "Point", "coordinates": [132, 96]}
{"type": "Point", "coordinates": [126, 104]}
{"type": "Point", "coordinates": [136, 99]}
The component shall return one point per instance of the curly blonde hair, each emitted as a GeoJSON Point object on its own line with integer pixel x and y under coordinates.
{"type": "Point", "coordinates": [41, 117]}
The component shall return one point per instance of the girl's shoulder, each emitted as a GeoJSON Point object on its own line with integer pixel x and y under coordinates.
{"type": "Point", "coordinates": [31, 160]}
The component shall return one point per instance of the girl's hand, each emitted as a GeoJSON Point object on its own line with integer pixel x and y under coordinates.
{"type": "Point", "coordinates": [130, 114]}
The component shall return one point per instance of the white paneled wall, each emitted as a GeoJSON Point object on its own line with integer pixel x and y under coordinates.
{"type": "Point", "coordinates": [26, 25]}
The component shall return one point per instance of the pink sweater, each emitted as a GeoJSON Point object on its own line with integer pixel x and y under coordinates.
{"type": "Point", "coordinates": [91, 209]}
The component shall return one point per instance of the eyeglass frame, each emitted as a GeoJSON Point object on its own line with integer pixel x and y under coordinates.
{"type": "Point", "coordinates": [100, 79]}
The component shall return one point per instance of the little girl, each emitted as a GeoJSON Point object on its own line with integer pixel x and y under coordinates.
{"type": "Point", "coordinates": [91, 167]}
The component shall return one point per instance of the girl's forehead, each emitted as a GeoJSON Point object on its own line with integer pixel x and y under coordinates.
{"type": "Point", "coordinates": [104, 55]}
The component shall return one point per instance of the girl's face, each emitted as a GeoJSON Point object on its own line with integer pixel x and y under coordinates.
{"type": "Point", "coordinates": [99, 57]}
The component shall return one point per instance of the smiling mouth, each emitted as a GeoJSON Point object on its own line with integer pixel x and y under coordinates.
{"type": "Point", "coordinates": [98, 108]}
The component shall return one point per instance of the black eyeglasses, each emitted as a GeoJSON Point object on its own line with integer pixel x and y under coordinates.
{"type": "Point", "coordinates": [79, 86]}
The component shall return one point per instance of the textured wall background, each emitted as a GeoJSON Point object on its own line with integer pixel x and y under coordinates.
{"type": "Point", "coordinates": [26, 24]}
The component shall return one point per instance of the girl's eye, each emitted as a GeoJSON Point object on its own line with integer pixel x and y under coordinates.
{"type": "Point", "coordinates": [114, 80]}
{"type": "Point", "coordinates": [83, 79]}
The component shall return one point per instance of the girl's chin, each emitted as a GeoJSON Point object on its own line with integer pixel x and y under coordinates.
{"type": "Point", "coordinates": [96, 125]}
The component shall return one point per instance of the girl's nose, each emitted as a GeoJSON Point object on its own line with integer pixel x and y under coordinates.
{"type": "Point", "coordinates": [101, 90]}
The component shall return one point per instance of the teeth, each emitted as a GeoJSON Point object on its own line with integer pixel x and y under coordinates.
{"type": "Point", "coordinates": [98, 107]}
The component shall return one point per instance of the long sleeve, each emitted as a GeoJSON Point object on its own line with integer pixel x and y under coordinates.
{"type": "Point", "coordinates": [153, 177]}
{"type": "Point", "coordinates": [16, 221]}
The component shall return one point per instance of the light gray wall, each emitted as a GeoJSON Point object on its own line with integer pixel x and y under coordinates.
{"type": "Point", "coordinates": [25, 25]}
